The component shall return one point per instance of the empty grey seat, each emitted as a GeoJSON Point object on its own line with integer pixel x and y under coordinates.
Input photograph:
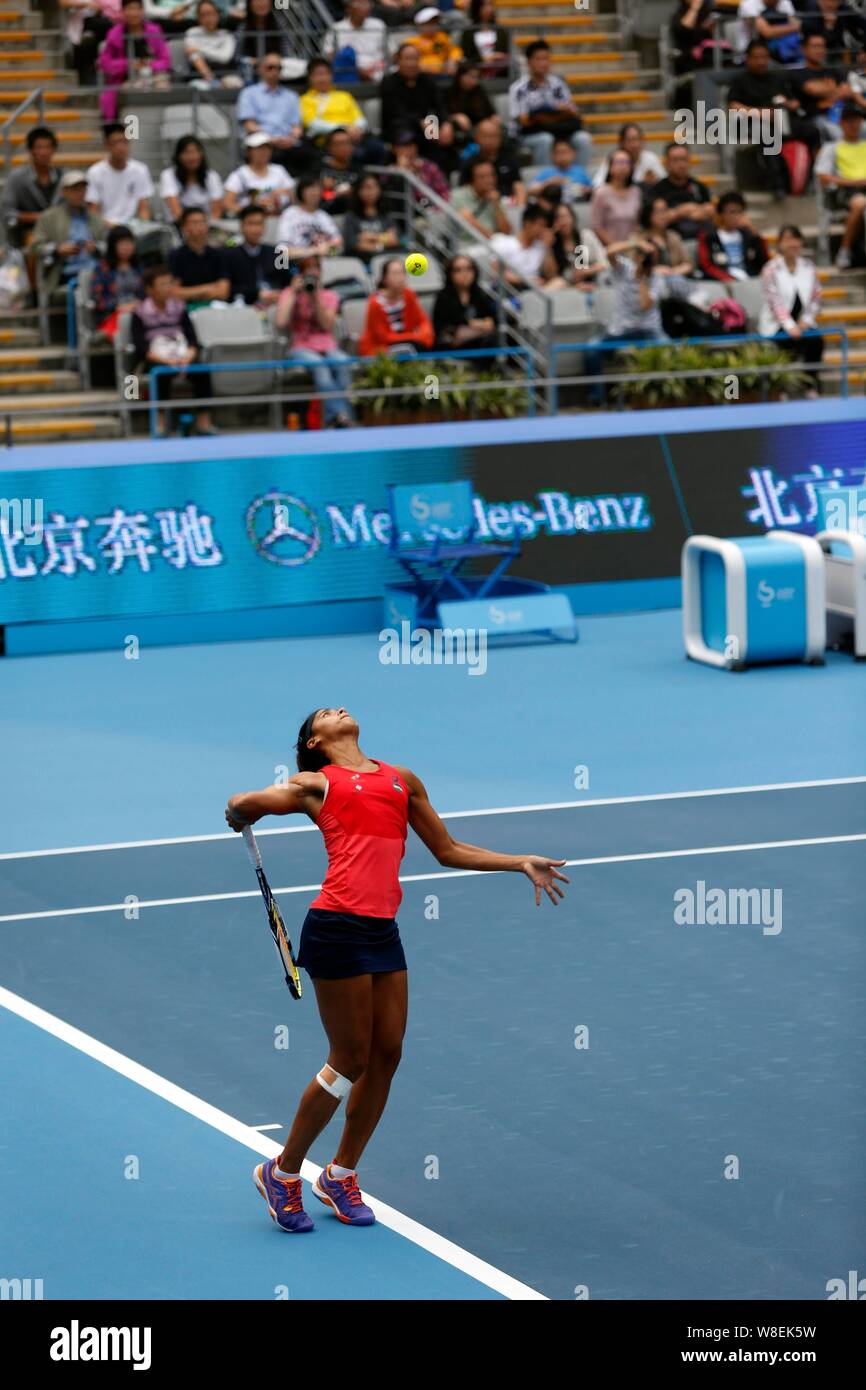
{"type": "Point", "coordinates": [235, 334]}
{"type": "Point", "coordinates": [353, 315]}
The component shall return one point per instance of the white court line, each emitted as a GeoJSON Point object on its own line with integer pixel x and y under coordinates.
{"type": "Point", "coordinates": [395, 1220]}
{"type": "Point", "coordinates": [448, 873]}
{"type": "Point", "coordinates": [452, 815]}
{"type": "Point", "coordinates": [261, 1128]}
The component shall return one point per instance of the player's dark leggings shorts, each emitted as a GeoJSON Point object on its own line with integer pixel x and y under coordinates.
{"type": "Point", "coordinates": [338, 945]}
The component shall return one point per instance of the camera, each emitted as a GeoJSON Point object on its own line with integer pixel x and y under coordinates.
{"type": "Point", "coordinates": [310, 284]}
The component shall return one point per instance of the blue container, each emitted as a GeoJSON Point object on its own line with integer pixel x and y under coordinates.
{"type": "Point", "coordinates": [754, 599]}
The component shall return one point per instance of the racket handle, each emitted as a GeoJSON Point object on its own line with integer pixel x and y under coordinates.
{"type": "Point", "coordinates": [252, 847]}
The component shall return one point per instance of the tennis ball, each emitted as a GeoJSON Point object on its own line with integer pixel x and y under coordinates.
{"type": "Point", "coordinates": [416, 264]}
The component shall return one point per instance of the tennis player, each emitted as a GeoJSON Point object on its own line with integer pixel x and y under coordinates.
{"type": "Point", "coordinates": [350, 945]}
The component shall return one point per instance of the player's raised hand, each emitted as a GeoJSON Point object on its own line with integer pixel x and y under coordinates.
{"type": "Point", "coordinates": [544, 874]}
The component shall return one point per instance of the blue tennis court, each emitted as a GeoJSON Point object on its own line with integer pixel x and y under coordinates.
{"type": "Point", "coordinates": [654, 1091]}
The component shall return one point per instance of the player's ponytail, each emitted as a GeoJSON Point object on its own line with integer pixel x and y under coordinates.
{"type": "Point", "coordinates": [309, 759]}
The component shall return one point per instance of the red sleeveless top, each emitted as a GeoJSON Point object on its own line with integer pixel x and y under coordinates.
{"type": "Point", "coordinates": [364, 818]}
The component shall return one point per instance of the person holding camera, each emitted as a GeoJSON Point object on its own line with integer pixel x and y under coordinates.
{"type": "Point", "coordinates": [306, 313]}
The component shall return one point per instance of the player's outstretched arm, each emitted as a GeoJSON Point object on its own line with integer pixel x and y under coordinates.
{"type": "Point", "coordinates": [303, 793]}
{"type": "Point", "coordinates": [542, 872]}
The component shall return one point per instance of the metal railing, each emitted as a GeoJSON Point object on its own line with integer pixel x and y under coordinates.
{"type": "Point", "coordinates": [601, 381]}
{"type": "Point", "coordinates": [284, 364]}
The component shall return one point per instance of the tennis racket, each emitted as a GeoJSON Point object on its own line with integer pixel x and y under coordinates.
{"type": "Point", "coordinates": [275, 921]}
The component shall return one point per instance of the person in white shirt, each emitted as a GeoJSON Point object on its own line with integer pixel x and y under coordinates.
{"type": "Point", "coordinates": [258, 181]}
{"type": "Point", "coordinates": [189, 182]}
{"type": "Point", "coordinates": [527, 258]}
{"type": "Point", "coordinates": [646, 166]}
{"type": "Point", "coordinates": [753, 25]}
{"type": "Point", "coordinates": [792, 298]}
{"type": "Point", "coordinates": [366, 36]}
{"type": "Point", "coordinates": [210, 49]}
{"type": "Point", "coordinates": [305, 227]}
{"type": "Point", "coordinates": [119, 189]}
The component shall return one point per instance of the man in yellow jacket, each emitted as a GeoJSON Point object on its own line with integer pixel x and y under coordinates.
{"type": "Point", "coordinates": [435, 49]}
{"type": "Point", "coordinates": [324, 108]}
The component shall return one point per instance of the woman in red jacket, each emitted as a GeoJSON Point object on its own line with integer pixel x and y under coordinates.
{"type": "Point", "coordinates": [394, 315]}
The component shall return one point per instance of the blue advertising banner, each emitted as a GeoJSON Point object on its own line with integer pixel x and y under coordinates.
{"type": "Point", "coordinates": [100, 537]}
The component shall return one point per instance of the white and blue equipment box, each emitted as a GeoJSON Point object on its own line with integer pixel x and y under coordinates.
{"type": "Point", "coordinates": [754, 599]}
{"type": "Point", "coordinates": [842, 517]}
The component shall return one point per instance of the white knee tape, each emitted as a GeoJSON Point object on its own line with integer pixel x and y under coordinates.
{"type": "Point", "coordinates": [339, 1087]}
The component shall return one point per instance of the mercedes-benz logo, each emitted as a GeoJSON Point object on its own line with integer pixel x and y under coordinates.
{"type": "Point", "coordinates": [283, 529]}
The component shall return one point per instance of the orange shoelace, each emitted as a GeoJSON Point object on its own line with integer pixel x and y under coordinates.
{"type": "Point", "coordinates": [350, 1187]}
{"type": "Point", "coordinates": [293, 1192]}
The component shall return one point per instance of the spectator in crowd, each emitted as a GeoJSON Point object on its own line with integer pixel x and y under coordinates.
{"type": "Point", "coordinates": [163, 336]}
{"type": "Point", "coordinates": [307, 313]}
{"type": "Point", "coordinates": [116, 287]}
{"type": "Point", "coordinates": [565, 171]}
{"type": "Point", "coordinates": [639, 290]}
{"type": "Point", "coordinates": [367, 231]}
{"type": "Point", "coordinates": [259, 181]}
{"type": "Point", "coordinates": [841, 171]}
{"type": "Point", "coordinates": [542, 108]}
{"type": "Point", "coordinates": [32, 188]}
{"type": "Point", "coordinates": [339, 171]}
{"type": "Point", "coordinates": [756, 90]}
{"type": "Point", "coordinates": [479, 203]}
{"type": "Point", "coordinates": [578, 255]}
{"type": "Point", "coordinates": [307, 226]}
{"type": "Point", "coordinates": [792, 298]}
{"type": "Point", "coordinates": [87, 24]}
{"type": "Point", "coordinates": [732, 249]}
{"type": "Point", "coordinates": [463, 315]}
{"type": "Point", "coordinates": [199, 268]}
{"type": "Point", "coordinates": [406, 157]}
{"type": "Point", "coordinates": [211, 50]}
{"type": "Point", "coordinates": [616, 203]}
{"type": "Point", "coordinates": [361, 38]}
{"type": "Point", "coordinates": [814, 91]}
{"type": "Point", "coordinates": [66, 235]}
{"type": "Point", "coordinates": [838, 23]}
{"type": "Point", "coordinates": [324, 109]}
{"type": "Point", "coordinates": [151, 57]}
{"type": "Point", "coordinates": [648, 168]}
{"type": "Point", "coordinates": [777, 23]}
{"type": "Point", "coordinates": [409, 98]}
{"type": "Point", "coordinates": [485, 42]}
{"type": "Point", "coordinates": [254, 268]}
{"type": "Point", "coordinates": [653, 223]}
{"type": "Point", "coordinates": [856, 80]}
{"type": "Point", "coordinates": [119, 189]}
{"type": "Point", "coordinates": [490, 143]}
{"type": "Point", "coordinates": [436, 50]}
{"type": "Point", "coordinates": [693, 30]}
{"type": "Point", "coordinates": [467, 102]}
{"type": "Point", "coordinates": [189, 182]}
{"type": "Point", "coordinates": [265, 29]}
{"type": "Point", "coordinates": [395, 318]}
{"type": "Point", "coordinates": [270, 107]}
{"type": "Point", "coordinates": [690, 206]}
{"type": "Point", "coordinates": [526, 258]}
{"type": "Point", "coordinates": [173, 16]}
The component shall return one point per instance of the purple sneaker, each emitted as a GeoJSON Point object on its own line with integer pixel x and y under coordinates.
{"type": "Point", "coordinates": [342, 1195]}
{"type": "Point", "coordinates": [283, 1196]}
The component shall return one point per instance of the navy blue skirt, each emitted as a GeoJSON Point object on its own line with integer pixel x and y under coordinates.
{"type": "Point", "coordinates": [337, 945]}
